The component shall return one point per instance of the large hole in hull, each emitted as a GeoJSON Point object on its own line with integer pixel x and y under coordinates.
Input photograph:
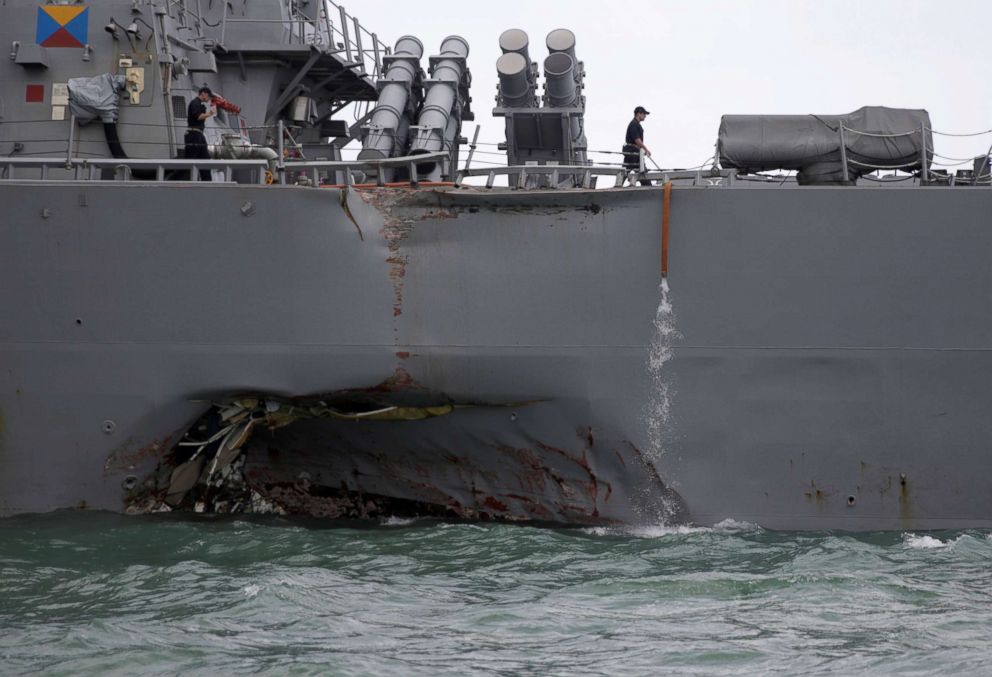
{"type": "Point", "coordinates": [368, 456]}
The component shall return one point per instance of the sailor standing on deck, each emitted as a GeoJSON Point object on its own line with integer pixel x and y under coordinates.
{"type": "Point", "coordinates": [634, 143]}
{"type": "Point", "coordinates": [199, 110]}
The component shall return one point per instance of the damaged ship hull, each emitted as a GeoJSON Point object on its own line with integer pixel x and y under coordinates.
{"type": "Point", "coordinates": [819, 360]}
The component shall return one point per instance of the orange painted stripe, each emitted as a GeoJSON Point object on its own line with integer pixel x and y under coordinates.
{"type": "Point", "coordinates": [666, 212]}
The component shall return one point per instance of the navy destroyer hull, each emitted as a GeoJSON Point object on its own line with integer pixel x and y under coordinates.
{"type": "Point", "coordinates": [818, 360]}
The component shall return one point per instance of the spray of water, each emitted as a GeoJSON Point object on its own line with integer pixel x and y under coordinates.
{"type": "Point", "coordinates": [659, 508]}
{"type": "Point", "coordinates": [658, 412]}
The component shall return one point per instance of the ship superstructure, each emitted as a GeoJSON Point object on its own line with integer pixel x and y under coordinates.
{"type": "Point", "coordinates": [309, 335]}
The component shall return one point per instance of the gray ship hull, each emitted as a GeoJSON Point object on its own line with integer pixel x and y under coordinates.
{"type": "Point", "coordinates": [823, 364]}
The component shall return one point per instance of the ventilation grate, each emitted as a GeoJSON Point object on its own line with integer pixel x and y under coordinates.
{"type": "Point", "coordinates": [179, 107]}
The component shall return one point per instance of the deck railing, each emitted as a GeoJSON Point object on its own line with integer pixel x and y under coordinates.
{"type": "Point", "coordinates": [332, 29]}
{"type": "Point", "coordinates": [91, 169]}
{"type": "Point", "coordinates": [313, 173]}
{"type": "Point", "coordinates": [584, 175]}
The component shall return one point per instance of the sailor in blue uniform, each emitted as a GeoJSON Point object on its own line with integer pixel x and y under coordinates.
{"type": "Point", "coordinates": [195, 141]}
{"type": "Point", "coordinates": [634, 142]}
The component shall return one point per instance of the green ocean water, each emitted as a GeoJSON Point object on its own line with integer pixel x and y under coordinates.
{"type": "Point", "coordinates": [91, 593]}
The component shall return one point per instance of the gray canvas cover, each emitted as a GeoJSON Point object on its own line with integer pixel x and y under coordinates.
{"type": "Point", "coordinates": [874, 135]}
{"type": "Point", "coordinates": [95, 97]}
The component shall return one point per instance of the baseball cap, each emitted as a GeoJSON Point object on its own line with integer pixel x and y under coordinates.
{"type": "Point", "coordinates": [641, 109]}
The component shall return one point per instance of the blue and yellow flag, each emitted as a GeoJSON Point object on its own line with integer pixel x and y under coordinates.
{"type": "Point", "coordinates": [62, 26]}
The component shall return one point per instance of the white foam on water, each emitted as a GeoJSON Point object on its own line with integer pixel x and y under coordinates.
{"type": "Point", "coordinates": [252, 590]}
{"type": "Point", "coordinates": [397, 521]}
{"type": "Point", "coordinates": [924, 542]}
{"type": "Point", "coordinates": [731, 524]}
{"type": "Point", "coordinates": [653, 531]}
{"type": "Point", "coordinates": [665, 530]}
{"type": "Point", "coordinates": [658, 411]}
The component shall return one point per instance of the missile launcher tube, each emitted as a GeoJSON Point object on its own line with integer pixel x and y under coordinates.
{"type": "Point", "coordinates": [389, 122]}
{"type": "Point", "coordinates": [517, 80]}
{"type": "Point", "coordinates": [561, 40]}
{"type": "Point", "coordinates": [515, 41]}
{"type": "Point", "coordinates": [559, 80]}
{"type": "Point", "coordinates": [515, 88]}
{"type": "Point", "coordinates": [434, 133]}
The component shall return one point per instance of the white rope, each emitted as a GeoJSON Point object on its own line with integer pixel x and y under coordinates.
{"type": "Point", "coordinates": [934, 131]}
{"type": "Point", "coordinates": [954, 159]}
{"type": "Point", "coordinates": [881, 136]}
{"type": "Point", "coordinates": [861, 164]}
{"type": "Point", "coordinates": [950, 164]}
{"type": "Point", "coordinates": [891, 180]}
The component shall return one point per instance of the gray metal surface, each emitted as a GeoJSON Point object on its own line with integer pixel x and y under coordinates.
{"type": "Point", "coordinates": [554, 132]}
{"type": "Point", "coordinates": [816, 360]}
{"type": "Point", "coordinates": [828, 149]}
{"type": "Point", "coordinates": [831, 344]}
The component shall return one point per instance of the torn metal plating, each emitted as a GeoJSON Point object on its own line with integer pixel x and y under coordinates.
{"type": "Point", "coordinates": [374, 454]}
{"type": "Point", "coordinates": [207, 464]}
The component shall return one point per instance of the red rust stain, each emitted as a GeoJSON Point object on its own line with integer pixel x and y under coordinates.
{"type": "Point", "coordinates": [533, 507]}
{"type": "Point", "coordinates": [400, 380]}
{"type": "Point", "coordinates": [121, 458]}
{"type": "Point", "coordinates": [609, 492]}
{"type": "Point", "coordinates": [556, 450]}
{"type": "Point", "coordinates": [402, 354]}
{"type": "Point", "coordinates": [620, 457]}
{"type": "Point", "coordinates": [493, 504]}
{"type": "Point", "coordinates": [592, 486]}
{"type": "Point", "coordinates": [533, 480]}
{"type": "Point", "coordinates": [394, 232]}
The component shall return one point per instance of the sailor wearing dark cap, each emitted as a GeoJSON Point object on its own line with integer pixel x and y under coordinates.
{"type": "Point", "coordinates": [195, 142]}
{"type": "Point", "coordinates": [635, 142]}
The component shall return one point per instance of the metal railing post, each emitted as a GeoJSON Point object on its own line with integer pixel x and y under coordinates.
{"type": "Point", "coordinates": [472, 146]}
{"type": "Point", "coordinates": [378, 57]}
{"type": "Point", "coordinates": [843, 152]}
{"type": "Point", "coordinates": [924, 172]}
{"type": "Point", "coordinates": [327, 25]}
{"type": "Point", "coordinates": [358, 43]}
{"type": "Point", "coordinates": [223, 25]}
{"type": "Point", "coordinates": [344, 34]}
{"type": "Point", "coordinates": [72, 137]}
{"type": "Point", "coordinates": [281, 166]}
